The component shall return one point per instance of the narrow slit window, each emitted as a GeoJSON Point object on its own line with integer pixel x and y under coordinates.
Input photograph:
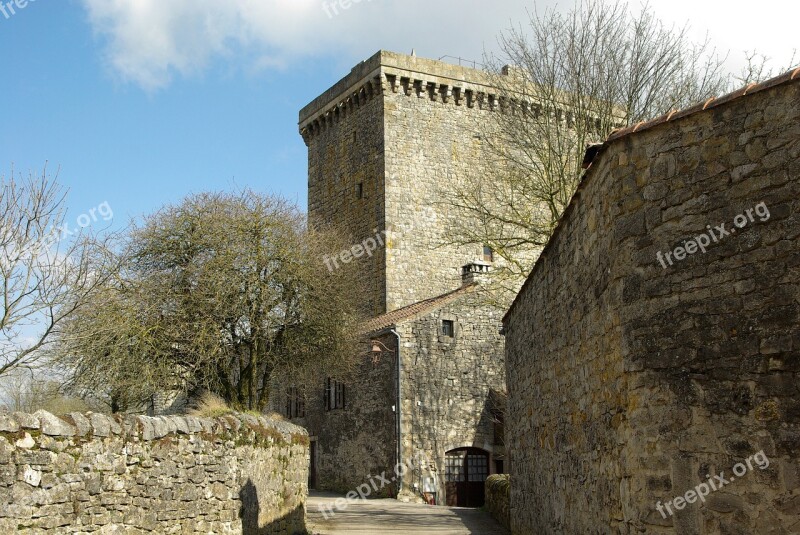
{"type": "Point", "coordinates": [488, 254]}
{"type": "Point", "coordinates": [360, 190]}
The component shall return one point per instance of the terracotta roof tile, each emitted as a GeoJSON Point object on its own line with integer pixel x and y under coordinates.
{"type": "Point", "coordinates": [414, 310]}
{"type": "Point", "coordinates": [708, 104]}
{"type": "Point", "coordinates": [594, 151]}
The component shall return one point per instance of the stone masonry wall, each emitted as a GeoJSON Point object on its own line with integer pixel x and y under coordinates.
{"type": "Point", "coordinates": [358, 441]}
{"type": "Point", "coordinates": [446, 386]}
{"type": "Point", "coordinates": [94, 473]}
{"type": "Point", "coordinates": [435, 116]}
{"type": "Point", "coordinates": [402, 131]}
{"type": "Point", "coordinates": [346, 179]}
{"type": "Point", "coordinates": [498, 498]}
{"type": "Point", "coordinates": [633, 381]}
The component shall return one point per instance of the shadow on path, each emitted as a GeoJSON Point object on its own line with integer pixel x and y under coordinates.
{"type": "Point", "coordinates": [249, 512]}
{"type": "Point", "coordinates": [389, 517]}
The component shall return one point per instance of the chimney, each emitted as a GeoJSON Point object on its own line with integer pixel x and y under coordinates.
{"type": "Point", "coordinates": [475, 272]}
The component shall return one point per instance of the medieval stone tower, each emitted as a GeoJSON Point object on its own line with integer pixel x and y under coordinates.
{"type": "Point", "coordinates": [385, 145]}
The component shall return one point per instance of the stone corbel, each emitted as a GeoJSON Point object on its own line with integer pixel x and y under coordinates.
{"type": "Point", "coordinates": [408, 86]}
{"type": "Point", "coordinates": [420, 88]}
{"type": "Point", "coordinates": [447, 93]}
{"type": "Point", "coordinates": [481, 99]}
{"type": "Point", "coordinates": [393, 82]}
{"type": "Point", "coordinates": [377, 85]}
{"type": "Point", "coordinates": [432, 89]}
{"type": "Point", "coordinates": [458, 95]}
{"type": "Point", "coordinates": [306, 133]}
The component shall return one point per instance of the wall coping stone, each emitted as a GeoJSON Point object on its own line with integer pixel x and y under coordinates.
{"type": "Point", "coordinates": [144, 428]}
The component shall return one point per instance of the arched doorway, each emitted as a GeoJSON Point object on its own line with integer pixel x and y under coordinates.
{"type": "Point", "coordinates": [466, 470]}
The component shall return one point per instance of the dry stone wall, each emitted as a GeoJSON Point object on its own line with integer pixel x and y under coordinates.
{"type": "Point", "coordinates": [634, 382]}
{"type": "Point", "coordinates": [498, 498]}
{"type": "Point", "coordinates": [91, 473]}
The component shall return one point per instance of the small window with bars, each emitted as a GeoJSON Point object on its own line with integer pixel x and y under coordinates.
{"type": "Point", "coordinates": [295, 404]}
{"type": "Point", "coordinates": [334, 395]}
{"type": "Point", "coordinates": [448, 328]}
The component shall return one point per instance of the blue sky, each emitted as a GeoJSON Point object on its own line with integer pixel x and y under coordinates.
{"type": "Point", "coordinates": [141, 102]}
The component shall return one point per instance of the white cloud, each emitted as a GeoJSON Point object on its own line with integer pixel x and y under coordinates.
{"type": "Point", "coordinates": [768, 26]}
{"type": "Point", "coordinates": [148, 42]}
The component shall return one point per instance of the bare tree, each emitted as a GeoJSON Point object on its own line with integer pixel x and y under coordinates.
{"type": "Point", "coordinates": [758, 68]}
{"type": "Point", "coordinates": [217, 293]}
{"type": "Point", "coordinates": [572, 79]}
{"type": "Point", "coordinates": [25, 391]}
{"type": "Point", "coordinates": [45, 276]}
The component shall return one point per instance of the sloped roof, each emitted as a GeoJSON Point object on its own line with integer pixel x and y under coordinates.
{"type": "Point", "coordinates": [595, 152]}
{"type": "Point", "coordinates": [414, 310]}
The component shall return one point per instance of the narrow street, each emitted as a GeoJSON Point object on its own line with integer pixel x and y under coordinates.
{"type": "Point", "coordinates": [389, 517]}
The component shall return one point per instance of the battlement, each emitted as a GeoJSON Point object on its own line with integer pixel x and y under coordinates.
{"type": "Point", "coordinates": [411, 76]}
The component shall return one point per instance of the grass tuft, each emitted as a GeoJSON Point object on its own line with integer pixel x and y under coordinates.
{"type": "Point", "coordinates": [211, 405]}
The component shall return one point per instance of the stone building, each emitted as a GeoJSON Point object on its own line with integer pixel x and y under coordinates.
{"type": "Point", "coordinates": [656, 345]}
{"type": "Point", "coordinates": [382, 144]}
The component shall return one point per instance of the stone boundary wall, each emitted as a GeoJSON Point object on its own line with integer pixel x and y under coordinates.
{"type": "Point", "coordinates": [636, 378]}
{"type": "Point", "coordinates": [88, 473]}
{"type": "Point", "coordinates": [498, 498]}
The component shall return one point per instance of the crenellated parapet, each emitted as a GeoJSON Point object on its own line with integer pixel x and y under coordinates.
{"type": "Point", "coordinates": [346, 104]}
{"type": "Point", "coordinates": [387, 73]}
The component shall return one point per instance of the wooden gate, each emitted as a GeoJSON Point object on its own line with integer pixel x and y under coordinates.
{"type": "Point", "coordinates": [466, 470]}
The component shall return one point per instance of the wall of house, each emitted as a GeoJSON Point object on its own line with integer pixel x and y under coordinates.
{"type": "Point", "coordinates": [358, 442]}
{"type": "Point", "coordinates": [95, 473]}
{"type": "Point", "coordinates": [632, 382]}
{"type": "Point", "coordinates": [446, 386]}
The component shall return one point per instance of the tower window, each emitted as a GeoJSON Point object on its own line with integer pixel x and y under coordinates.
{"type": "Point", "coordinates": [448, 328]}
{"type": "Point", "coordinates": [360, 190]}
{"type": "Point", "coordinates": [488, 254]}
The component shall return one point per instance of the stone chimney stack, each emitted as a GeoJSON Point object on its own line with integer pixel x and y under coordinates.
{"type": "Point", "coordinates": [475, 272]}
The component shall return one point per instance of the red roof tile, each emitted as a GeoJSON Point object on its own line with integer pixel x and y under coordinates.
{"type": "Point", "coordinates": [713, 102]}
{"type": "Point", "coordinates": [390, 319]}
{"type": "Point", "coordinates": [594, 151]}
